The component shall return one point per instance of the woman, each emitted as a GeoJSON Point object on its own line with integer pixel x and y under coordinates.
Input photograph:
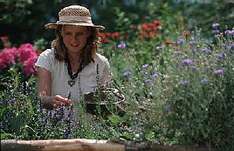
{"type": "Point", "coordinates": [71, 68]}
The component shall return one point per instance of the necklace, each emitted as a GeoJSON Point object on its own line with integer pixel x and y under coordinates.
{"type": "Point", "coordinates": [72, 76]}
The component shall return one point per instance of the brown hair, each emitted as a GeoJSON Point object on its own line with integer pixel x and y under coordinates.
{"type": "Point", "coordinates": [87, 54]}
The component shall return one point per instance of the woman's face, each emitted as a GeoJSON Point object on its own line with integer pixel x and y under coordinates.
{"type": "Point", "coordinates": [75, 37]}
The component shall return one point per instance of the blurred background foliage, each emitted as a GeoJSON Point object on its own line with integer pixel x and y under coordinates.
{"type": "Point", "coordinates": [24, 20]}
{"type": "Point", "coordinates": [172, 59]}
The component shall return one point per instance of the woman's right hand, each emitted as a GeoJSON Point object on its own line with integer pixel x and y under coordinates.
{"type": "Point", "coordinates": [51, 102]}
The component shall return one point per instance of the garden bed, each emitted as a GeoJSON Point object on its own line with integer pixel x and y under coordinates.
{"type": "Point", "coordinates": [90, 145]}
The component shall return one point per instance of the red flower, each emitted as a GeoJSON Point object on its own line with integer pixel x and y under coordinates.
{"type": "Point", "coordinates": [149, 30]}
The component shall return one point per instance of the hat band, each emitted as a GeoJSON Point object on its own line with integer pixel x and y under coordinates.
{"type": "Point", "coordinates": [86, 19]}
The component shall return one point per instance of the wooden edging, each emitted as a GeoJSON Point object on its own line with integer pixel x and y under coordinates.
{"type": "Point", "coordinates": [88, 145]}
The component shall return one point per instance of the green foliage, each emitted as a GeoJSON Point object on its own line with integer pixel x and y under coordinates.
{"type": "Point", "coordinates": [197, 15]}
{"type": "Point", "coordinates": [23, 21]}
{"type": "Point", "coordinates": [17, 22]}
{"type": "Point", "coordinates": [17, 104]}
{"type": "Point", "coordinates": [199, 100]}
{"type": "Point", "coordinates": [178, 85]}
{"type": "Point", "coordinates": [19, 8]}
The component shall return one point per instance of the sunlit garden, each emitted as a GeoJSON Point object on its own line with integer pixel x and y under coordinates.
{"type": "Point", "coordinates": [172, 60]}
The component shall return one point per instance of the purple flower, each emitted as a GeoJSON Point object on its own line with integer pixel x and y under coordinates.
{"type": "Point", "coordinates": [215, 26]}
{"type": "Point", "coordinates": [59, 114]}
{"type": "Point", "coordinates": [154, 75]}
{"type": "Point", "coordinates": [219, 72]}
{"type": "Point", "coordinates": [67, 133]}
{"type": "Point", "coordinates": [216, 31]}
{"type": "Point", "coordinates": [145, 66]}
{"type": "Point", "coordinates": [229, 32]}
{"type": "Point", "coordinates": [194, 68]}
{"type": "Point", "coordinates": [204, 81]}
{"type": "Point", "coordinates": [221, 56]}
{"type": "Point", "coordinates": [127, 73]}
{"type": "Point", "coordinates": [10, 101]}
{"type": "Point", "coordinates": [184, 82]}
{"type": "Point", "coordinates": [121, 45]}
{"type": "Point", "coordinates": [180, 41]}
{"type": "Point", "coordinates": [167, 108]}
{"type": "Point", "coordinates": [187, 62]}
{"type": "Point", "coordinates": [206, 50]}
{"type": "Point", "coordinates": [192, 43]}
{"type": "Point", "coordinates": [148, 82]}
{"type": "Point", "coordinates": [230, 47]}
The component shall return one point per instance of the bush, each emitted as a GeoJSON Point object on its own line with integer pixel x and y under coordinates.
{"type": "Point", "coordinates": [199, 82]}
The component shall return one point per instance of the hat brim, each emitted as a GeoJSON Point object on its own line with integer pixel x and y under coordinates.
{"type": "Point", "coordinates": [55, 25]}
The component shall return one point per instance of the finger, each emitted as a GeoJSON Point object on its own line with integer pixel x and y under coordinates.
{"type": "Point", "coordinates": [67, 101]}
{"type": "Point", "coordinates": [58, 103]}
{"type": "Point", "coordinates": [62, 99]}
{"type": "Point", "coordinates": [55, 105]}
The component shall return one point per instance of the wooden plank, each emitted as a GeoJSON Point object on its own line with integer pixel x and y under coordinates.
{"type": "Point", "coordinates": [60, 145]}
{"type": "Point", "coordinates": [91, 145]}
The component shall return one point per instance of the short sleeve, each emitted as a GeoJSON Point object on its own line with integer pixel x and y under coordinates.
{"type": "Point", "coordinates": [106, 75]}
{"type": "Point", "coordinates": [46, 59]}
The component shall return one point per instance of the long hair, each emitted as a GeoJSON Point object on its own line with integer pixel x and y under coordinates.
{"type": "Point", "coordinates": [87, 54]}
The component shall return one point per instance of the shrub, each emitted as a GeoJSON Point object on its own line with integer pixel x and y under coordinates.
{"type": "Point", "coordinates": [200, 82]}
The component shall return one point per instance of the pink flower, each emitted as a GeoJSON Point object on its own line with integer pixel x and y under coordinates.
{"type": "Point", "coordinates": [29, 67]}
{"type": "Point", "coordinates": [7, 57]}
{"type": "Point", "coordinates": [26, 51]}
{"type": "Point", "coordinates": [27, 56]}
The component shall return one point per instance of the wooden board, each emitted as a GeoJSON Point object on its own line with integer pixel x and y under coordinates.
{"type": "Point", "coordinates": [60, 145]}
{"type": "Point", "coordinates": [91, 145]}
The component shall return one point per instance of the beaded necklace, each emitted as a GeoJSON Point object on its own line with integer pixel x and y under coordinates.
{"type": "Point", "coordinates": [72, 76]}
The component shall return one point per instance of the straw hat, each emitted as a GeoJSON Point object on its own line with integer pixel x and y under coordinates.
{"type": "Point", "coordinates": [74, 15]}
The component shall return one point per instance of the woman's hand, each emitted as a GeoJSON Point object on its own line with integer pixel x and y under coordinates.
{"type": "Point", "coordinates": [51, 102]}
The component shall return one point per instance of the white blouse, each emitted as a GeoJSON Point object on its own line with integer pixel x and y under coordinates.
{"type": "Point", "coordinates": [87, 78]}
